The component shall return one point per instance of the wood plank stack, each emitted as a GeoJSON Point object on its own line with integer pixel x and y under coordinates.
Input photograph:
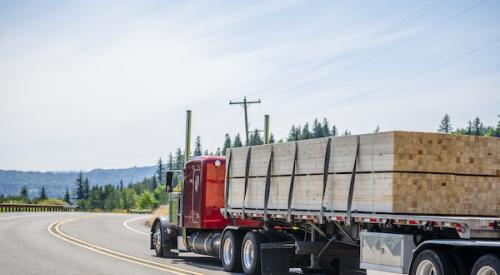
{"type": "Point", "coordinates": [397, 172]}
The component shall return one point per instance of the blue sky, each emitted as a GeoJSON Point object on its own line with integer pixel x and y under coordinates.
{"type": "Point", "coordinates": [87, 84]}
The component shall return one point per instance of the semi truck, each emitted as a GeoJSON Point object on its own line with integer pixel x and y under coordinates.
{"type": "Point", "coordinates": [261, 239]}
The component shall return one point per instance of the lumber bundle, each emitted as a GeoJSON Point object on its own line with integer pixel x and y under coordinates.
{"type": "Point", "coordinates": [396, 172]}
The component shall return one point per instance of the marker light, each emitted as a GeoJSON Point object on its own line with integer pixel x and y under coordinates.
{"type": "Point", "coordinates": [217, 163]}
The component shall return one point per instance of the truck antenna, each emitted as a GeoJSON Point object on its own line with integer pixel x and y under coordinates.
{"type": "Point", "coordinates": [187, 150]}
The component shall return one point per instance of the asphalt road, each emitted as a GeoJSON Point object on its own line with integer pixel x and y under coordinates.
{"type": "Point", "coordinates": [28, 247]}
{"type": "Point", "coordinates": [87, 243]}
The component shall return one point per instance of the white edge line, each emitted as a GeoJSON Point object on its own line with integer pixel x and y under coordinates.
{"type": "Point", "coordinates": [25, 216]}
{"type": "Point", "coordinates": [125, 223]}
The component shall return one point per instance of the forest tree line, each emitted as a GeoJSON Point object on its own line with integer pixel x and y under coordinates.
{"type": "Point", "coordinates": [150, 192]}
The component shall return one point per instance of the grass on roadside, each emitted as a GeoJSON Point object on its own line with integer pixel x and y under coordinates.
{"type": "Point", "coordinates": [160, 211]}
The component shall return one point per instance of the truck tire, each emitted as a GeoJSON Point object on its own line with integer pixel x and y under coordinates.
{"type": "Point", "coordinates": [487, 265]}
{"type": "Point", "coordinates": [432, 262]}
{"type": "Point", "coordinates": [250, 252]}
{"type": "Point", "coordinates": [161, 243]}
{"type": "Point", "coordinates": [231, 251]}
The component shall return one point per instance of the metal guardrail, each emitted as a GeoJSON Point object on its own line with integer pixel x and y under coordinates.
{"type": "Point", "coordinates": [19, 207]}
{"type": "Point", "coordinates": [140, 211]}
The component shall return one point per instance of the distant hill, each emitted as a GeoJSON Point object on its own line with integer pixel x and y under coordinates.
{"type": "Point", "coordinates": [55, 183]}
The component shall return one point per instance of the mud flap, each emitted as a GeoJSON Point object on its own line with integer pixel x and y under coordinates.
{"type": "Point", "coordinates": [276, 258]}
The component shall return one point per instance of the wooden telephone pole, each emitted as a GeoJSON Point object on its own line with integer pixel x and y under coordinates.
{"type": "Point", "coordinates": [245, 103]}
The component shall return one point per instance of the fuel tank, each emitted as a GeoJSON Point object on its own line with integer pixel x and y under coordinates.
{"type": "Point", "coordinates": [206, 243]}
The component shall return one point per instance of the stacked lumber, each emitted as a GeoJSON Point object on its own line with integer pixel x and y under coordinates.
{"type": "Point", "coordinates": [396, 172]}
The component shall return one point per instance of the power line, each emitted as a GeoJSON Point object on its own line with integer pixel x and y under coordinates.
{"type": "Point", "coordinates": [372, 91]}
{"type": "Point", "coordinates": [237, 121]}
{"type": "Point", "coordinates": [383, 33]}
{"type": "Point", "coordinates": [245, 103]}
{"type": "Point", "coordinates": [449, 19]}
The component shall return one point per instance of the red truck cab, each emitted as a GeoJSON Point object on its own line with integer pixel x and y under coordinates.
{"type": "Point", "coordinates": [204, 193]}
{"type": "Point", "coordinates": [195, 222]}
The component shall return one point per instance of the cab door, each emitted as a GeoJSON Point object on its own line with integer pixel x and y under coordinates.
{"type": "Point", "coordinates": [197, 196]}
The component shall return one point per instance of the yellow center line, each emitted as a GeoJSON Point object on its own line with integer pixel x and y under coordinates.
{"type": "Point", "coordinates": [55, 230]}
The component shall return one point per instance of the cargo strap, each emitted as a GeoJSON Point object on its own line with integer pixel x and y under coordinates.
{"type": "Point", "coordinates": [268, 184]}
{"type": "Point", "coordinates": [292, 182]}
{"type": "Point", "coordinates": [325, 176]}
{"type": "Point", "coordinates": [247, 172]}
{"type": "Point", "coordinates": [226, 187]}
{"type": "Point", "coordinates": [353, 180]}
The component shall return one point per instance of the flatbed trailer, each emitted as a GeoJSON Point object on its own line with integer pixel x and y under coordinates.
{"type": "Point", "coordinates": [460, 240]}
{"type": "Point", "coordinates": [205, 219]}
{"type": "Point", "coordinates": [270, 241]}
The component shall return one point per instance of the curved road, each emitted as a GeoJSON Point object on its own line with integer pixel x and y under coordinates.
{"type": "Point", "coordinates": [87, 243]}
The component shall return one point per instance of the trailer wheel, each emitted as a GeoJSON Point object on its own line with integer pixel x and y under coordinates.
{"type": "Point", "coordinates": [487, 265]}
{"type": "Point", "coordinates": [250, 252]}
{"type": "Point", "coordinates": [432, 262]}
{"type": "Point", "coordinates": [231, 249]}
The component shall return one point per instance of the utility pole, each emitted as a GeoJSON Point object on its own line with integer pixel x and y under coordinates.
{"type": "Point", "coordinates": [245, 103]}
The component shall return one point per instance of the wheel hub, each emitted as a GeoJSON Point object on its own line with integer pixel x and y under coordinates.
{"type": "Point", "coordinates": [426, 267]}
{"type": "Point", "coordinates": [248, 254]}
{"type": "Point", "coordinates": [486, 270]}
{"type": "Point", "coordinates": [157, 238]}
{"type": "Point", "coordinates": [227, 253]}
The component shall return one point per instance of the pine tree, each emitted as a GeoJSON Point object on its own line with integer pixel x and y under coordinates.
{"type": "Point", "coordinates": [326, 128]}
{"type": "Point", "coordinates": [305, 134]}
{"type": "Point", "coordinates": [469, 128]}
{"type": "Point", "coordinates": [445, 126]}
{"type": "Point", "coordinates": [227, 143]}
{"type": "Point", "coordinates": [206, 153]}
{"type": "Point", "coordinates": [497, 131]}
{"type": "Point", "coordinates": [255, 138]}
{"type": "Point", "coordinates": [170, 161]}
{"type": "Point", "coordinates": [218, 152]}
{"type": "Point", "coordinates": [43, 194]}
{"type": "Point", "coordinates": [80, 192]}
{"type": "Point", "coordinates": [292, 135]}
{"type": "Point", "coordinates": [179, 159]}
{"type": "Point", "coordinates": [317, 129]}
{"type": "Point", "coordinates": [334, 131]}
{"type": "Point", "coordinates": [86, 188]}
{"type": "Point", "coordinates": [237, 141]}
{"type": "Point", "coordinates": [377, 129]}
{"type": "Point", "coordinates": [347, 133]}
{"type": "Point", "coordinates": [271, 139]}
{"type": "Point", "coordinates": [477, 127]}
{"type": "Point", "coordinates": [160, 170]}
{"type": "Point", "coordinates": [154, 183]}
{"type": "Point", "coordinates": [197, 147]}
{"type": "Point", "coordinates": [67, 198]}
{"type": "Point", "coordinates": [121, 185]}
{"type": "Point", "coordinates": [23, 194]}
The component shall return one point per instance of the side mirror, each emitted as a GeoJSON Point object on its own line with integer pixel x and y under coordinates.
{"type": "Point", "coordinates": [170, 179]}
